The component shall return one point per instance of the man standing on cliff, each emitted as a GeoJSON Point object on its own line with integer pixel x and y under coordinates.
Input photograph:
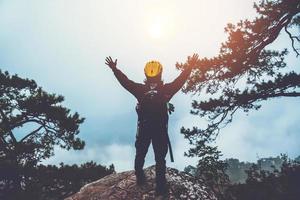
{"type": "Point", "coordinates": [152, 109]}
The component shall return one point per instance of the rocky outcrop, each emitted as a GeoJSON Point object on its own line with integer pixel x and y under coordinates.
{"type": "Point", "coordinates": [123, 186]}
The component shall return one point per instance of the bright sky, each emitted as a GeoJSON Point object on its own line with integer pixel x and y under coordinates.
{"type": "Point", "coordinates": [62, 45]}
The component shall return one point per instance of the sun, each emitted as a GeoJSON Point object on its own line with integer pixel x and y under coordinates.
{"type": "Point", "coordinates": [158, 25]}
{"type": "Point", "coordinates": [156, 30]}
{"type": "Point", "coordinates": [159, 21]}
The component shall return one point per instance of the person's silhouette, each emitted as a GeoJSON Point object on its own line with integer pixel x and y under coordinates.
{"type": "Point", "coordinates": [152, 109]}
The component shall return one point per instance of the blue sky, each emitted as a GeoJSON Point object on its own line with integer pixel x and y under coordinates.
{"type": "Point", "coordinates": [62, 45]}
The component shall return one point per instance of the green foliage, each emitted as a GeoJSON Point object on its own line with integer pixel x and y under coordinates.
{"type": "Point", "coordinates": [261, 184]}
{"type": "Point", "coordinates": [48, 182]}
{"type": "Point", "coordinates": [245, 72]}
{"type": "Point", "coordinates": [236, 170]}
{"type": "Point", "coordinates": [32, 122]}
{"type": "Point", "coordinates": [210, 168]}
{"type": "Point", "coordinates": [24, 104]}
{"type": "Point", "coordinates": [270, 178]}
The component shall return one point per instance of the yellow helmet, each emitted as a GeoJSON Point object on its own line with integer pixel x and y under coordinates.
{"type": "Point", "coordinates": [153, 68]}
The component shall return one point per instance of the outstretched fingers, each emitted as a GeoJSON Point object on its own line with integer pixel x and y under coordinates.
{"type": "Point", "coordinates": [195, 56]}
{"type": "Point", "coordinates": [109, 61]}
{"type": "Point", "coordinates": [192, 60]}
{"type": "Point", "coordinates": [106, 60]}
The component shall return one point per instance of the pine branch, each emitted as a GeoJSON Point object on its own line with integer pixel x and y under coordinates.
{"type": "Point", "coordinates": [31, 134]}
{"type": "Point", "coordinates": [293, 38]}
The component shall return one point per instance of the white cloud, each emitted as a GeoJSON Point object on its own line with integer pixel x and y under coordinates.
{"type": "Point", "coordinates": [122, 156]}
{"type": "Point", "coordinates": [272, 130]}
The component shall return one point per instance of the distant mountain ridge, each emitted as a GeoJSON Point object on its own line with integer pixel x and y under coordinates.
{"type": "Point", "coordinates": [236, 169]}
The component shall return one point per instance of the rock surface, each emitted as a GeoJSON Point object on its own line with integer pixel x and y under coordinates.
{"type": "Point", "coordinates": [123, 186]}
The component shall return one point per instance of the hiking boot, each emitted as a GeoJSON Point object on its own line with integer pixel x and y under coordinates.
{"type": "Point", "coordinates": [161, 193]}
{"type": "Point", "coordinates": [161, 197]}
{"type": "Point", "coordinates": [140, 179]}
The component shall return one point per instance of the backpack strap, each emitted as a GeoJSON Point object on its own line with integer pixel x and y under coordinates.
{"type": "Point", "coordinates": [170, 149]}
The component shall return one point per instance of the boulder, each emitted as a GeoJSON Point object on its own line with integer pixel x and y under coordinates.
{"type": "Point", "coordinates": [123, 186]}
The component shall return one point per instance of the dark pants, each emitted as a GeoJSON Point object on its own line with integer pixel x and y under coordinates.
{"type": "Point", "coordinates": [155, 132]}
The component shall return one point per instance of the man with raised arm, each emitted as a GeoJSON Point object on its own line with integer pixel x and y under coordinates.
{"type": "Point", "coordinates": [153, 98]}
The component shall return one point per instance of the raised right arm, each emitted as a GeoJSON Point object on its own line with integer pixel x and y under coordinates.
{"type": "Point", "coordinates": [128, 84]}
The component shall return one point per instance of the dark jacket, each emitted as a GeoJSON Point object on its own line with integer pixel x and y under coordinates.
{"type": "Point", "coordinates": [154, 109]}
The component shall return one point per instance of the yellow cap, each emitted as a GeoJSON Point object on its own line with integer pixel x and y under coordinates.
{"type": "Point", "coordinates": [153, 68]}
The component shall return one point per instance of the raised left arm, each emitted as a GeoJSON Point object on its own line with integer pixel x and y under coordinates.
{"type": "Point", "coordinates": [173, 87]}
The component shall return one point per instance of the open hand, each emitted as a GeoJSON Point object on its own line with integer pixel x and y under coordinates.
{"type": "Point", "coordinates": [109, 61]}
{"type": "Point", "coordinates": [192, 60]}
